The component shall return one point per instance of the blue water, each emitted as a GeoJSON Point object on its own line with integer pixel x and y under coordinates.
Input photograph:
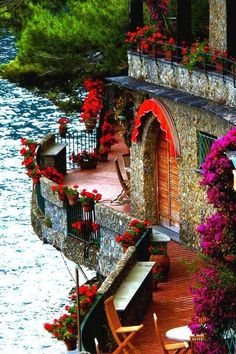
{"type": "Point", "coordinates": [34, 280]}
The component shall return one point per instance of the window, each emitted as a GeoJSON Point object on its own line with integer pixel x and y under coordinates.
{"type": "Point", "coordinates": [204, 146]}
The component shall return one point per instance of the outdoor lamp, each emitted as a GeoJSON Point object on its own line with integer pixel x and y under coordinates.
{"type": "Point", "coordinates": [232, 156]}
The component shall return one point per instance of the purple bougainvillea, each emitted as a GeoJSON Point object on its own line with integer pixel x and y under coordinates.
{"type": "Point", "coordinates": [214, 292]}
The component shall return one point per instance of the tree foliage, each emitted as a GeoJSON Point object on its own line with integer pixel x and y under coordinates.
{"type": "Point", "coordinates": [83, 38]}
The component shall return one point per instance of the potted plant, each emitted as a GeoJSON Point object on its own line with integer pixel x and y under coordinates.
{"type": "Point", "coordinates": [198, 55]}
{"type": "Point", "coordinates": [159, 255]}
{"type": "Point", "coordinates": [85, 159]}
{"type": "Point", "coordinates": [133, 233]}
{"type": "Point", "coordinates": [53, 174]}
{"type": "Point", "coordinates": [86, 227]}
{"type": "Point", "coordinates": [218, 59]}
{"type": "Point", "coordinates": [63, 122]}
{"type": "Point", "coordinates": [61, 190]}
{"type": "Point", "coordinates": [72, 195]}
{"type": "Point", "coordinates": [169, 48]}
{"type": "Point", "coordinates": [88, 199]}
{"type": "Point", "coordinates": [156, 277]}
{"type": "Point", "coordinates": [65, 327]}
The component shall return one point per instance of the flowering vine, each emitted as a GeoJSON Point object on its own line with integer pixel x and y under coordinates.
{"type": "Point", "coordinates": [214, 293]}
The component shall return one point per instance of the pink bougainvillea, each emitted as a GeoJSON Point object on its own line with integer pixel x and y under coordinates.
{"type": "Point", "coordinates": [214, 292]}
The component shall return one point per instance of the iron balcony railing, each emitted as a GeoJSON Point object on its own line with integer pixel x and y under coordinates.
{"type": "Point", "coordinates": [78, 141]}
{"type": "Point", "coordinates": [206, 63]}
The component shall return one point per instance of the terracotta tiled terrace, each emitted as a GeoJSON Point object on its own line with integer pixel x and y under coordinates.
{"type": "Point", "coordinates": [172, 300]}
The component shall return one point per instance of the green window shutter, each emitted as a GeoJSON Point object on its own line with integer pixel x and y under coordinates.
{"type": "Point", "coordinates": [205, 142]}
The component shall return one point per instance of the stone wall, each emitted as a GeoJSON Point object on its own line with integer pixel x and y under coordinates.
{"type": "Point", "coordinates": [112, 223]}
{"type": "Point", "coordinates": [209, 85]}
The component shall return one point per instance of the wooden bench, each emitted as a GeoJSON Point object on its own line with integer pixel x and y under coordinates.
{"type": "Point", "coordinates": [135, 293]}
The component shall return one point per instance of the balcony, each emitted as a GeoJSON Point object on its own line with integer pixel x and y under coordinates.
{"type": "Point", "coordinates": [203, 81]}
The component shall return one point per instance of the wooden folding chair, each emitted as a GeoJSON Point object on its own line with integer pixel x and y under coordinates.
{"type": "Point", "coordinates": [98, 351]}
{"type": "Point", "coordinates": [126, 161]}
{"type": "Point", "coordinates": [180, 347]}
{"type": "Point", "coordinates": [123, 182]}
{"type": "Point", "coordinates": [194, 339]}
{"type": "Point", "coordinates": [122, 335]}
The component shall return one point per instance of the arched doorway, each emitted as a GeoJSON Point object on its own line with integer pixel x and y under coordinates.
{"type": "Point", "coordinates": [167, 185]}
{"type": "Point", "coordinates": [157, 139]}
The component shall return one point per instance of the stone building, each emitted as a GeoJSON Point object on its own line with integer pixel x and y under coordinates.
{"type": "Point", "coordinates": [177, 114]}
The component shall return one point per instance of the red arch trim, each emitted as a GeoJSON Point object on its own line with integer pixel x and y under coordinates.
{"type": "Point", "coordinates": [165, 120]}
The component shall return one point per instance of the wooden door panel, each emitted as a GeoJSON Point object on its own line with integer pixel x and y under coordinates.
{"type": "Point", "coordinates": [167, 185]}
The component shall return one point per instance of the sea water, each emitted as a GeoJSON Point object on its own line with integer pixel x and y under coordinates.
{"type": "Point", "coordinates": [35, 279]}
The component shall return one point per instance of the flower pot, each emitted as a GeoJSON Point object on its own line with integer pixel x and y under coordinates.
{"type": "Point", "coordinates": [87, 165]}
{"type": "Point", "coordinates": [124, 248]}
{"type": "Point", "coordinates": [73, 199]}
{"type": "Point", "coordinates": [162, 264]}
{"type": "Point", "coordinates": [62, 195]}
{"type": "Point", "coordinates": [71, 344]}
{"type": "Point", "coordinates": [62, 132]}
{"type": "Point", "coordinates": [103, 157]}
{"type": "Point", "coordinates": [154, 285]}
{"type": "Point", "coordinates": [169, 55]}
{"type": "Point", "coordinates": [35, 180]}
{"type": "Point", "coordinates": [219, 67]}
{"type": "Point", "coordinates": [88, 206]}
{"type": "Point", "coordinates": [90, 124]}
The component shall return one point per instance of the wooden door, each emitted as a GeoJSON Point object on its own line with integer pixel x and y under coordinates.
{"type": "Point", "coordinates": [167, 185]}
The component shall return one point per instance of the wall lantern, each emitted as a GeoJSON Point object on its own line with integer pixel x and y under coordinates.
{"type": "Point", "coordinates": [232, 156]}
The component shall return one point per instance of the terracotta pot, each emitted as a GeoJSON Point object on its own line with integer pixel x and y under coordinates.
{"type": "Point", "coordinates": [169, 55]}
{"type": "Point", "coordinates": [162, 264]}
{"type": "Point", "coordinates": [90, 124]}
{"type": "Point", "coordinates": [62, 132]}
{"type": "Point", "coordinates": [154, 285]}
{"type": "Point", "coordinates": [35, 180]}
{"type": "Point", "coordinates": [73, 199]}
{"type": "Point", "coordinates": [62, 195]}
{"type": "Point", "coordinates": [124, 248]}
{"type": "Point", "coordinates": [103, 157]}
{"type": "Point", "coordinates": [185, 59]}
{"type": "Point", "coordinates": [88, 206]}
{"type": "Point", "coordinates": [71, 344]}
{"type": "Point", "coordinates": [87, 165]}
{"type": "Point", "coordinates": [219, 67]}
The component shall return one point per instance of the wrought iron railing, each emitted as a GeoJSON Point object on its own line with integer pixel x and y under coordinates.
{"type": "Point", "coordinates": [77, 141]}
{"type": "Point", "coordinates": [206, 63]}
{"type": "Point", "coordinates": [86, 234]}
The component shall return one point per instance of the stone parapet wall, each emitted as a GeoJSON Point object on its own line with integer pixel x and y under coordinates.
{"type": "Point", "coordinates": [209, 85]}
{"type": "Point", "coordinates": [112, 223]}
